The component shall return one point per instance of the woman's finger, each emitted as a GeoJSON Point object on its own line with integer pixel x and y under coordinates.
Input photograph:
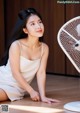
{"type": "Point", "coordinates": [54, 100]}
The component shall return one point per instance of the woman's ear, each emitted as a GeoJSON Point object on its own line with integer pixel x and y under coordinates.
{"type": "Point", "coordinates": [25, 30]}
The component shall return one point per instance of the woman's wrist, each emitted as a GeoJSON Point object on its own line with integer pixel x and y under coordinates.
{"type": "Point", "coordinates": [30, 90]}
{"type": "Point", "coordinates": [42, 96]}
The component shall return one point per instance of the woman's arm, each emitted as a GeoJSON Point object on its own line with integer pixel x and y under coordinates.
{"type": "Point", "coordinates": [14, 58]}
{"type": "Point", "coordinates": [41, 76]}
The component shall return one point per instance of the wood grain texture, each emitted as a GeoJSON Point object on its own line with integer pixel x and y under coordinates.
{"type": "Point", "coordinates": [65, 89]}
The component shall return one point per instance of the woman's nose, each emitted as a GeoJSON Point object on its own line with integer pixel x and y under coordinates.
{"type": "Point", "coordinates": [38, 25]}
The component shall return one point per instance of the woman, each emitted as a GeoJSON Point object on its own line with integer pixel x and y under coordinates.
{"type": "Point", "coordinates": [27, 57]}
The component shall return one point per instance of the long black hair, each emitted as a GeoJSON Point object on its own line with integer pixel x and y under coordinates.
{"type": "Point", "coordinates": [17, 32]}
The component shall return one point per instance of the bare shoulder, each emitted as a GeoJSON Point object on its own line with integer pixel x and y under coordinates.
{"type": "Point", "coordinates": [45, 47]}
{"type": "Point", "coordinates": [15, 47]}
{"type": "Point", "coordinates": [15, 44]}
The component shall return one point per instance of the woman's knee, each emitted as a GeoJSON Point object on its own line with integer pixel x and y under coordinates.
{"type": "Point", "coordinates": [3, 95]}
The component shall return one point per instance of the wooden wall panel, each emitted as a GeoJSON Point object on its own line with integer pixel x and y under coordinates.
{"type": "Point", "coordinates": [2, 30]}
{"type": "Point", "coordinates": [55, 21]}
{"type": "Point", "coordinates": [11, 11]}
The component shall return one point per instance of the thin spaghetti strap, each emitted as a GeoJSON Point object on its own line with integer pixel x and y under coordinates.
{"type": "Point", "coordinates": [41, 49]}
{"type": "Point", "coordinates": [20, 46]}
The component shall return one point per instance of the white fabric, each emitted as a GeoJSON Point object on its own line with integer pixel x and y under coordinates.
{"type": "Point", "coordinates": [9, 84]}
{"type": "Point", "coordinates": [73, 106]}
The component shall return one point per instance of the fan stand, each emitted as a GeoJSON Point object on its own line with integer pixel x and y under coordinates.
{"type": "Point", "coordinates": [73, 106]}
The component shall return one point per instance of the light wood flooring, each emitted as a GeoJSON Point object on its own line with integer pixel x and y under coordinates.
{"type": "Point", "coordinates": [66, 89]}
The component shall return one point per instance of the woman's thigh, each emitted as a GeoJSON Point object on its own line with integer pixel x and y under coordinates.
{"type": "Point", "coordinates": [3, 95]}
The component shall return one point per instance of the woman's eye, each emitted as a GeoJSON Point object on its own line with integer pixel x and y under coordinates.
{"type": "Point", "coordinates": [32, 24]}
{"type": "Point", "coordinates": [40, 21]}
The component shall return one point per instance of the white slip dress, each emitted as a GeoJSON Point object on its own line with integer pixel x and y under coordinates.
{"type": "Point", "coordinates": [8, 83]}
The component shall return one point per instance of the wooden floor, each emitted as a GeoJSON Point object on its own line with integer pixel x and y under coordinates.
{"type": "Point", "coordinates": [66, 89]}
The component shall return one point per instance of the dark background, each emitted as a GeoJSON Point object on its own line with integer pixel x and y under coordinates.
{"type": "Point", "coordinates": [54, 16]}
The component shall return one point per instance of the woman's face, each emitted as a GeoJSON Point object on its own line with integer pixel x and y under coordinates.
{"type": "Point", "coordinates": [34, 26]}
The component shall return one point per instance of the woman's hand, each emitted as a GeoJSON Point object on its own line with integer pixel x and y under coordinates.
{"type": "Point", "coordinates": [49, 100]}
{"type": "Point", "coordinates": [34, 95]}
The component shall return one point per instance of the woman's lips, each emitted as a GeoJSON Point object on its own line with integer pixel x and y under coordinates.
{"type": "Point", "coordinates": [39, 31]}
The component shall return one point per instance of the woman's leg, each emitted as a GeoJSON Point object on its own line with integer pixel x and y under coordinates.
{"type": "Point", "coordinates": [3, 95]}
